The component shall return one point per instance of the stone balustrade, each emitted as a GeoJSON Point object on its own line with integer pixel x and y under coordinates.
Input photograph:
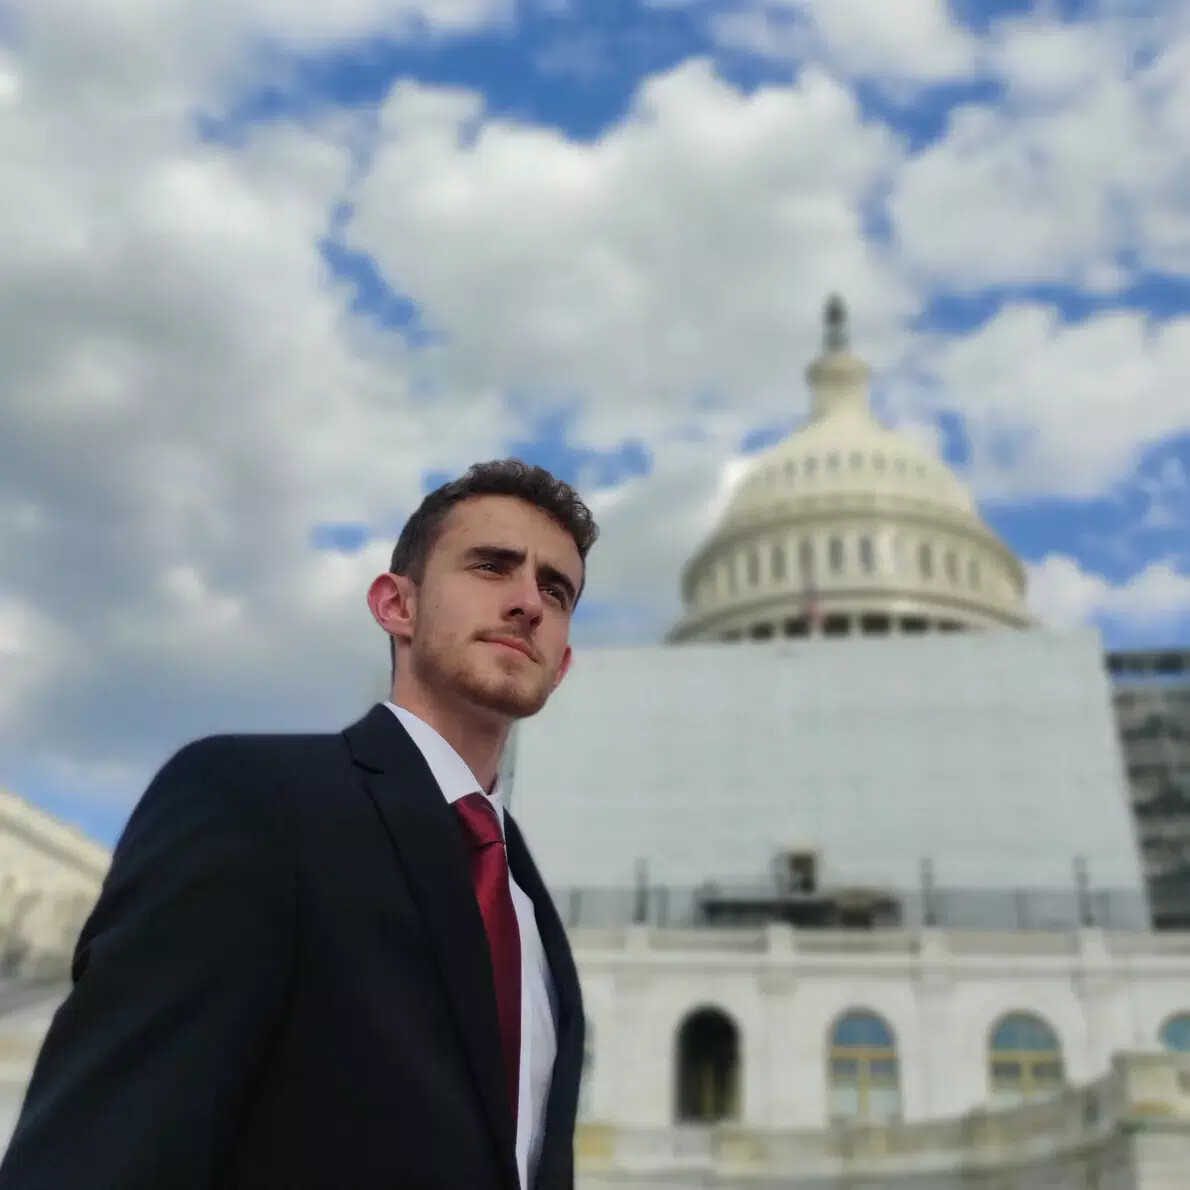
{"type": "Point", "coordinates": [1145, 1093]}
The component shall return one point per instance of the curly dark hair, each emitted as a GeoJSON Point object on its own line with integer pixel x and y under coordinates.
{"type": "Point", "coordinates": [501, 477]}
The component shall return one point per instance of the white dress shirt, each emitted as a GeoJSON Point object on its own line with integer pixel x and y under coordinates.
{"type": "Point", "coordinates": [539, 1037]}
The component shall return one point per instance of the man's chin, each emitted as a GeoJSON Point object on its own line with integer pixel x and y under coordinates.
{"type": "Point", "coordinates": [508, 700]}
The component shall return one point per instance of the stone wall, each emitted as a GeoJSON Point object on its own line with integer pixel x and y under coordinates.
{"type": "Point", "coordinates": [940, 993]}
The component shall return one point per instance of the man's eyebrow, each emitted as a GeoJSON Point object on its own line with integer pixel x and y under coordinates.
{"type": "Point", "coordinates": [507, 555]}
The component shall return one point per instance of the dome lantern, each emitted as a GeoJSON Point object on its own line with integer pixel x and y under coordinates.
{"type": "Point", "coordinates": [837, 379]}
{"type": "Point", "coordinates": [838, 334]}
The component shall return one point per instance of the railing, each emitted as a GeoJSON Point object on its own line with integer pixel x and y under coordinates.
{"type": "Point", "coordinates": [844, 948]}
{"type": "Point", "coordinates": [1075, 1124]}
{"type": "Point", "coordinates": [740, 904]}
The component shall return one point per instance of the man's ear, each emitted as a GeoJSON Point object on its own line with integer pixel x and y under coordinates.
{"type": "Point", "coordinates": [392, 599]}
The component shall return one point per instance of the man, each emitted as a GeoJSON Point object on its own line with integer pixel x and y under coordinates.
{"type": "Point", "coordinates": [328, 962]}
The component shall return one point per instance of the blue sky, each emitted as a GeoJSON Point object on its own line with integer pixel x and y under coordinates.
{"type": "Point", "coordinates": [282, 268]}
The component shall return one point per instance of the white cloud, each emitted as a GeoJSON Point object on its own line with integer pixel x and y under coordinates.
{"type": "Point", "coordinates": [1168, 494]}
{"type": "Point", "coordinates": [1060, 408]}
{"type": "Point", "coordinates": [1063, 593]}
{"type": "Point", "coordinates": [137, 40]}
{"type": "Point", "coordinates": [927, 434]}
{"type": "Point", "coordinates": [185, 396]}
{"type": "Point", "coordinates": [688, 250]}
{"type": "Point", "coordinates": [30, 650]}
{"type": "Point", "coordinates": [891, 43]}
{"type": "Point", "coordinates": [1081, 176]}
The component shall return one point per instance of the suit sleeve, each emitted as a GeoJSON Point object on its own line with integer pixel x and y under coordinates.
{"type": "Point", "coordinates": [179, 977]}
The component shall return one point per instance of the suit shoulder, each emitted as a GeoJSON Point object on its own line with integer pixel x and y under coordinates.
{"type": "Point", "coordinates": [255, 756]}
{"type": "Point", "coordinates": [252, 777]}
{"type": "Point", "coordinates": [261, 745]}
{"type": "Point", "coordinates": [274, 776]}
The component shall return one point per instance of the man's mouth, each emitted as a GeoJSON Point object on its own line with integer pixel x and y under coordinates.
{"type": "Point", "coordinates": [509, 643]}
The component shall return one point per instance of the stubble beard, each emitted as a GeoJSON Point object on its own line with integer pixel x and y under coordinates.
{"type": "Point", "coordinates": [455, 672]}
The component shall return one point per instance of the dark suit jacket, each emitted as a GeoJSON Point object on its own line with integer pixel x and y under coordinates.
{"type": "Point", "coordinates": [285, 985]}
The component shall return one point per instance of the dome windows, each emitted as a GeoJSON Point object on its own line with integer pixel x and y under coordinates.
{"type": "Point", "coordinates": [806, 559]}
{"type": "Point", "coordinates": [867, 556]}
{"type": "Point", "coordinates": [857, 460]}
{"type": "Point", "coordinates": [878, 462]}
{"type": "Point", "coordinates": [835, 555]}
{"type": "Point", "coordinates": [925, 560]}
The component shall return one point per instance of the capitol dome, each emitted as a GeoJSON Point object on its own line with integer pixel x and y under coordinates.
{"type": "Point", "coordinates": [846, 528]}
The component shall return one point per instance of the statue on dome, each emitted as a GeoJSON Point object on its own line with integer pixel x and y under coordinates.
{"type": "Point", "coordinates": [838, 336]}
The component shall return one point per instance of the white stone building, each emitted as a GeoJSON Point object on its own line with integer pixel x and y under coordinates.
{"type": "Point", "coordinates": [721, 1053]}
{"type": "Point", "coordinates": [849, 914]}
{"type": "Point", "coordinates": [1000, 1014]}
{"type": "Point", "coordinates": [50, 875]}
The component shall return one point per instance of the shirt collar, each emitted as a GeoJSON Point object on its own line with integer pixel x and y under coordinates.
{"type": "Point", "coordinates": [448, 768]}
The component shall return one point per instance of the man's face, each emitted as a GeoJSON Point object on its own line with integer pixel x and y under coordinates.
{"type": "Point", "coordinates": [491, 619]}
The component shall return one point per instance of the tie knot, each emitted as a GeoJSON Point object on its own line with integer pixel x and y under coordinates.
{"type": "Point", "coordinates": [479, 819]}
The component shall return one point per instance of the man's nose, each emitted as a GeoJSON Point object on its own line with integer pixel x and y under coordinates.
{"type": "Point", "coordinates": [526, 598]}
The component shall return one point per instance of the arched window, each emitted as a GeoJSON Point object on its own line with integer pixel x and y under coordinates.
{"type": "Point", "coordinates": [778, 561]}
{"type": "Point", "coordinates": [952, 566]}
{"type": "Point", "coordinates": [1024, 1059]}
{"type": "Point", "coordinates": [708, 1068]}
{"type": "Point", "coordinates": [925, 560]}
{"type": "Point", "coordinates": [862, 1069]}
{"type": "Point", "coordinates": [753, 568]}
{"type": "Point", "coordinates": [857, 460]}
{"type": "Point", "coordinates": [867, 557]}
{"type": "Point", "coordinates": [835, 554]}
{"type": "Point", "coordinates": [832, 462]}
{"type": "Point", "coordinates": [1175, 1033]}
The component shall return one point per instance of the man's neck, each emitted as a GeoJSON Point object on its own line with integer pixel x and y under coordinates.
{"type": "Point", "coordinates": [479, 743]}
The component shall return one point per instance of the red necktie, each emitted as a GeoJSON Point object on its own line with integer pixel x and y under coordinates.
{"type": "Point", "coordinates": [489, 875]}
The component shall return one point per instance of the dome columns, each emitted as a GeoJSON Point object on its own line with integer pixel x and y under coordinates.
{"type": "Point", "coordinates": [848, 528]}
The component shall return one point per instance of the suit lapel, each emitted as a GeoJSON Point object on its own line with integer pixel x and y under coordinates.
{"type": "Point", "coordinates": [424, 833]}
{"type": "Point", "coordinates": [562, 1104]}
